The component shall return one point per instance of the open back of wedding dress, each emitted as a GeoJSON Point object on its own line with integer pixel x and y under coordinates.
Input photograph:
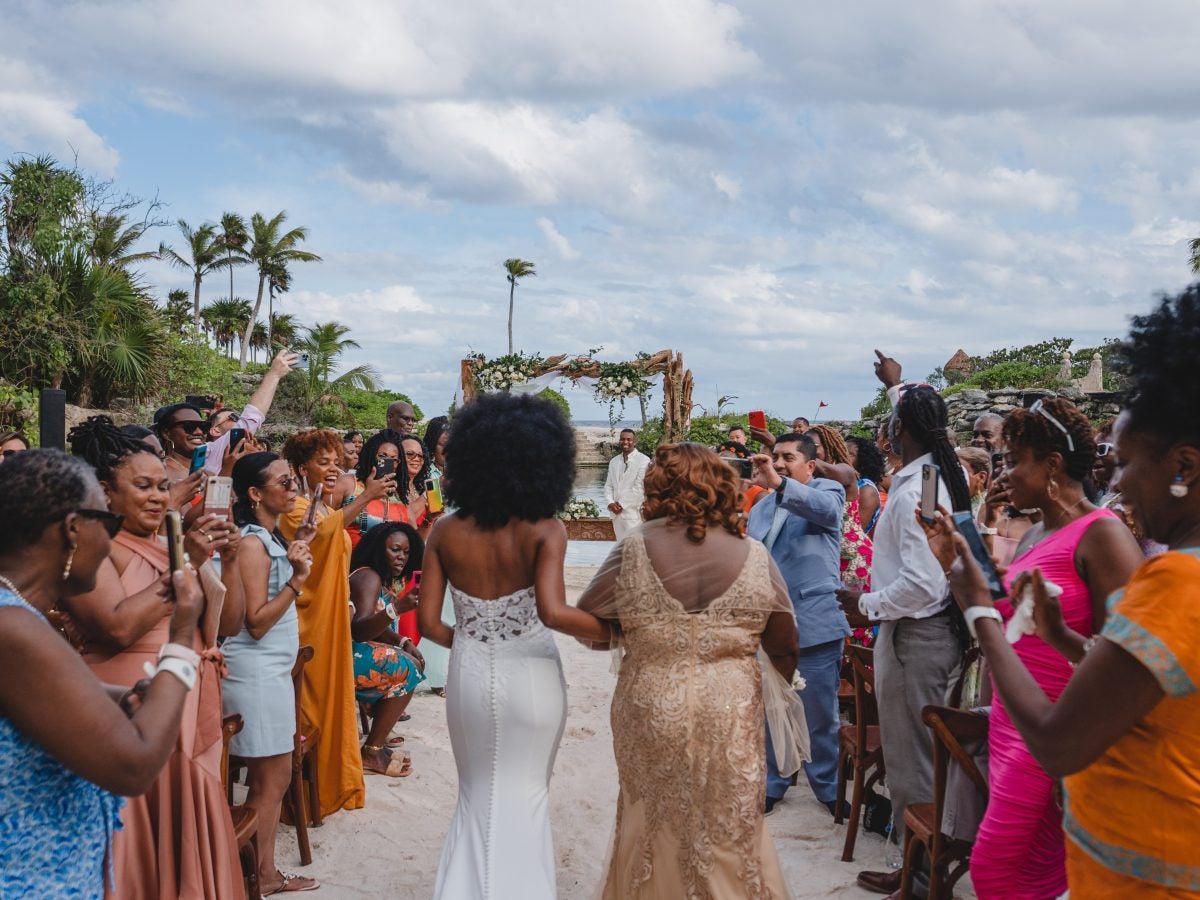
{"type": "Point", "coordinates": [506, 705]}
{"type": "Point", "coordinates": [688, 715]}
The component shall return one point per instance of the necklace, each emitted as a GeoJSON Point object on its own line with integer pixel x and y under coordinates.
{"type": "Point", "coordinates": [12, 587]}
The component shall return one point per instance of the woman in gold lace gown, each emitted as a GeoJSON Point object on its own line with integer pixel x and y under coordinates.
{"type": "Point", "coordinates": [694, 601]}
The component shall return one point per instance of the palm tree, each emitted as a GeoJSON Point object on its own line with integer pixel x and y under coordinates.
{"type": "Point", "coordinates": [278, 281]}
{"type": "Point", "coordinates": [204, 256]}
{"type": "Point", "coordinates": [284, 328]}
{"type": "Point", "coordinates": [1194, 261]}
{"type": "Point", "coordinates": [178, 309]}
{"type": "Point", "coordinates": [325, 343]}
{"type": "Point", "coordinates": [233, 238]}
{"type": "Point", "coordinates": [517, 268]}
{"type": "Point", "coordinates": [111, 240]}
{"type": "Point", "coordinates": [224, 319]}
{"type": "Point", "coordinates": [258, 340]}
{"type": "Point", "coordinates": [272, 249]}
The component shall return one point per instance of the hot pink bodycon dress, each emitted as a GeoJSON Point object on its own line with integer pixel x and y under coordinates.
{"type": "Point", "coordinates": [1019, 853]}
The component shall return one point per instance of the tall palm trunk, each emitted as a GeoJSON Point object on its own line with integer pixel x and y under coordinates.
{"type": "Point", "coordinates": [262, 277]}
{"type": "Point", "coordinates": [512, 288]}
{"type": "Point", "coordinates": [196, 301]}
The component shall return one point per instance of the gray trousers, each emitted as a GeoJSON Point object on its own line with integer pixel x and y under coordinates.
{"type": "Point", "coordinates": [916, 663]}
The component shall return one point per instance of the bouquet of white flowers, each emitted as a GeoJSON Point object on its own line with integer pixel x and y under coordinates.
{"type": "Point", "coordinates": [580, 508]}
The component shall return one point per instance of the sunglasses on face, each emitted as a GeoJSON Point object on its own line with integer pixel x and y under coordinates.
{"type": "Point", "coordinates": [191, 426]}
{"type": "Point", "coordinates": [1105, 449]}
{"type": "Point", "coordinates": [413, 454]}
{"type": "Point", "coordinates": [110, 520]}
{"type": "Point", "coordinates": [1040, 410]}
{"type": "Point", "coordinates": [287, 482]}
{"type": "Point", "coordinates": [5, 454]}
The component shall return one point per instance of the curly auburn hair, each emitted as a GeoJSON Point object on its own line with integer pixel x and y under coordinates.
{"type": "Point", "coordinates": [1159, 357]}
{"type": "Point", "coordinates": [690, 485]}
{"type": "Point", "coordinates": [302, 446]}
{"type": "Point", "coordinates": [833, 442]}
{"type": "Point", "coordinates": [1034, 431]}
{"type": "Point", "coordinates": [509, 457]}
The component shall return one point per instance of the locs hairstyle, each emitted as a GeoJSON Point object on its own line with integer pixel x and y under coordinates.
{"type": "Point", "coordinates": [104, 446]}
{"type": "Point", "coordinates": [509, 457]}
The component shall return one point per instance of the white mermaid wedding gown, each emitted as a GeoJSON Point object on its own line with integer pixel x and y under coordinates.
{"type": "Point", "coordinates": [506, 705]}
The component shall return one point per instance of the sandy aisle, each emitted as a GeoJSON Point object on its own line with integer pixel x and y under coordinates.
{"type": "Point", "coordinates": [390, 848]}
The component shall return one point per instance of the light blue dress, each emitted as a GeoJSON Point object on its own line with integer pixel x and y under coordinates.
{"type": "Point", "coordinates": [55, 827]}
{"type": "Point", "coordinates": [259, 685]}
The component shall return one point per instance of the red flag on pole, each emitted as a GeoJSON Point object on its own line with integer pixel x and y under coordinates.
{"type": "Point", "coordinates": [823, 405]}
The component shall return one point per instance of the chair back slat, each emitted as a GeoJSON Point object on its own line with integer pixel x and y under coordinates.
{"type": "Point", "coordinates": [230, 726]}
{"type": "Point", "coordinates": [950, 729]}
{"type": "Point", "coordinates": [303, 656]}
{"type": "Point", "coordinates": [866, 710]}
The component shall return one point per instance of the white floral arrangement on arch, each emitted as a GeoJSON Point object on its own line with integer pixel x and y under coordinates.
{"type": "Point", "coordinates": [502, 373]}
{"type": "Point", "coordinates": [617, 383]}
{"type": "Point", "coordinates": [580, 508]}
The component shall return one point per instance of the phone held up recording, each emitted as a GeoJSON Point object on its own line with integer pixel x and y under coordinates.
{"type": "Point", "coordinates": [743, 467]}
{"type": "Point", "coordinates": [310, 514]}
{"type": "Point", "coordinates": [199, 457]}
{"type": "Point", "coordinates": [930, 474]}
{"type": "Point", "coordinates": [175, 552]}
{"type": "Point", "coordinates": [433, 495]}
{"type": "Point", "coordinates": [965, 523]}
{"type": "Point", "coordinates": [757, 419]}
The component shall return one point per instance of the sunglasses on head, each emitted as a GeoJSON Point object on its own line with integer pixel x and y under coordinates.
{"type": "Point", "coordinates": [110, 520]}
{"type": "Point", "coordinates": [1038, 409]}
{"type": "Point", "coordinates": [191, 426]}
{"type": "Point", "coordinates": [1105, 449]}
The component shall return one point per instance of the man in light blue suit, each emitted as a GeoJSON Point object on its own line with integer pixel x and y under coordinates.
{"type": "Point", "coordinates": [801, 525]}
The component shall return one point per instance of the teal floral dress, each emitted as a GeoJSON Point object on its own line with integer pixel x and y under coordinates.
{"type": "Point", "coordinates": [383, 671]}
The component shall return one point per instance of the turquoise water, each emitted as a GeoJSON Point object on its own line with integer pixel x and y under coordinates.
{"type": "Point", "coordinates": [589, 485]}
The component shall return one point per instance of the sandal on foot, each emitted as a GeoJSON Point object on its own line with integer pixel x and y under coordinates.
{"type": "Point", "coordinates": [396, 741]}
{"type": "Point", "coordinates": [294, 883]}
{"type": "Point", "coordinates": [399, 765]}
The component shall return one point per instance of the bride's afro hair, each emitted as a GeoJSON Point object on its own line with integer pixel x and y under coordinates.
{"type": "Point", "coordinates": [1159, 357]}
{"type": "Point", "coordinates": [509, 457]}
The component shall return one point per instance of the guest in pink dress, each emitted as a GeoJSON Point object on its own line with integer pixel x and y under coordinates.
{"type": "Point", "coordinates": [1088, 552]}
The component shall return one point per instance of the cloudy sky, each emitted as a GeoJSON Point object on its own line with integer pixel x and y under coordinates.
{"type": "Point", "coordinates": [773, 188]}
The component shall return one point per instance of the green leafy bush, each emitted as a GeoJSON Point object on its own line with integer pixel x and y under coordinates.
{"type": "Point", "coordinates": [558, 400]}
{"type": "Point", "coordinates": [707, 430]}
{"type": "Point", "coordinates": [364, 410]}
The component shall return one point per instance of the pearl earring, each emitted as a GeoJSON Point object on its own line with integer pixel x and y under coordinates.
{"type": "Point", "coordinates": [1178, 490]}
{"type": "Point", "coordinates": [71, 559]}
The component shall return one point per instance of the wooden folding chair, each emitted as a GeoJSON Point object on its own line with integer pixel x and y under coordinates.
{"type": "Point", "coordinates": [859, 747]}
{"type": "Point", "coordinates": [948, 857]}
{"type": "Point", "coordinates": [245, 819]}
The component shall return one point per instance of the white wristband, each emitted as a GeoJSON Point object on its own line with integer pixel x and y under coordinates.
{"type": "Point", "coordinates": [181, 669]}
{"type": "Point", "coordinates": [179, 651]}
{"type": "Point", "coordinates": [974, 613]}
{"type": "Point", "coordinates": [390, 609]}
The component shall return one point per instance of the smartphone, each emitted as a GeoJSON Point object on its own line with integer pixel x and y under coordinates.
{"type": "Point", "coordinates": [236, 436]}
{"type": "Point", "coordinates": [218, 496]}
{"type": "Point", "coordinates": [416, 578]}
{"type": "Point", "coordinates": [929, 491]}
{"type": "Point", "coordinates": [384, 466]}
{"type": "Point", "coordinates": [305, 359]}
{"type": "Point", "coordinates": [201, 401]}
{"type": "Point", "coordinates": [758, 419]}
{"type": "Point", "coordinates": [199, 455]}
{"type": "Point", "coordinates": [175, 552]}
{"type": "Point", "coordinates": [310, 514]}
{"type": "Point", "coordinates": [433, 494]}
{"type": "Point", "coordinates": [997, 464]}
{"type": "Point", "coordinates": [743, 467]}
{"type": "Point", "coordinates": [965, 523]}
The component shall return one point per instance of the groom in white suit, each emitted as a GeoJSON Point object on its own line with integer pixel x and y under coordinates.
{"type": "Point", "coordinates": [623, 489]}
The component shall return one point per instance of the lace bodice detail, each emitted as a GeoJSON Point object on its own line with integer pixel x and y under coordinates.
{"type": "Point", "coordinates": [506, 618]}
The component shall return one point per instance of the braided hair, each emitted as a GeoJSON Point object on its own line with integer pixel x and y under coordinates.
{"type": "Point", "coordinates": [834, 444]}
{"type": "Point", "coordinates": [1023, 428]}
{"type": "Point", "coordinates": [922, 412]}
{"type": "Point", "coordinates": [104, 446]}
{"type": "Point", "coordinates": [37, 489]}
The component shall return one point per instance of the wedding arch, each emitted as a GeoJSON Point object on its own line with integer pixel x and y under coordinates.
{"type": "Point", "coordinates": [615, 382]}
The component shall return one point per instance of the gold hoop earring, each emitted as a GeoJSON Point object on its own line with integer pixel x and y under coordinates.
{"type": "Point", "coordinates": [70, 560]}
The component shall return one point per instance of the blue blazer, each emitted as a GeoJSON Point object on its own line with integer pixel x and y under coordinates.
{"type": "Point", "coordinates": [808, 552]}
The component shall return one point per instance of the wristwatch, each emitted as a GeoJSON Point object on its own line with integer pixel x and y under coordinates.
{"type": "Point", "coordinates": [974, 613]}
{"type": "Point", "coordinates": [779, 490]}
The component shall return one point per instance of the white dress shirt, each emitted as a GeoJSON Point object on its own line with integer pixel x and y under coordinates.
{"type": "Point", "coordinates": [909, 577]}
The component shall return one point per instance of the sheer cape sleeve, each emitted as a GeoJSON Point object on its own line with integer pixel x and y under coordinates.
{"type": "Point", "coordinates": [692, 575]}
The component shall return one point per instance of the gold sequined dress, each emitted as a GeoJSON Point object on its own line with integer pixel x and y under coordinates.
{"type": "Point", "coordinates": [687, 721]}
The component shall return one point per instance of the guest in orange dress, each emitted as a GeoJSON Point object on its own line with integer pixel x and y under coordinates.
{"type": "Point", "coordinates": [177, 839]}
{"type": "Point", "coordinates": [1125, 733]}
{"type": "Point", "coordinates": [327, 699]}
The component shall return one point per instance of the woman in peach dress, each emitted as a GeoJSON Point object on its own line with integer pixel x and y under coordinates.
{"type": "Point", "coordinates": [177, 839]}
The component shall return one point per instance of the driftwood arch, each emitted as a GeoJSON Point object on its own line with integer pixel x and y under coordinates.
{"type": "Point", "coordinates": [677, 382]}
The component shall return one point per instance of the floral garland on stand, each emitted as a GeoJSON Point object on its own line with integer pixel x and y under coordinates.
{"type": "Point", "coordinates": [616, 384]}
{"type": "Point", "coordinates": [502, 373]}
{"type": "Point", "coordinates": [580, 508]}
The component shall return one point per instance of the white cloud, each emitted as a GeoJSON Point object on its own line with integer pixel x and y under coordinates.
{"type": "Point", "coordinates": [36, 116]}
{"type": "Point", "coordinates": [556, 240]}
{"type": "Point", "coordinates": [164, 100]}
{"type": "Point", "coordinates": [730, 187]}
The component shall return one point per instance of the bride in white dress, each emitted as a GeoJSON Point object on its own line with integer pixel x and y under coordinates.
{"type": "Point", "coordinates": [510, 465]}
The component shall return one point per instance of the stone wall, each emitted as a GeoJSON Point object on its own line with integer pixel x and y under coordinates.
{"type": "Point", "coordinates": [964, 407]}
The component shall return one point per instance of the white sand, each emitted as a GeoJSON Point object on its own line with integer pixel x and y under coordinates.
{"type": "Point", "coordinates": [390, 848]}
